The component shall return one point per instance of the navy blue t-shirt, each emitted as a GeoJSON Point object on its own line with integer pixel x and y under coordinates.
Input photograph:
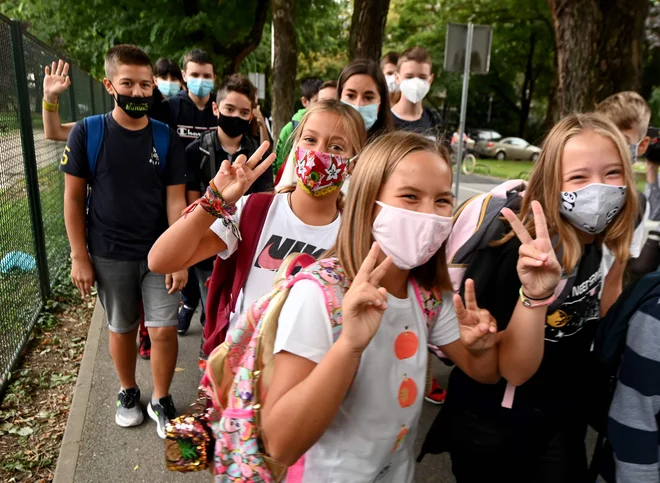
{"type": "Point", "coordinates": [128, 206]}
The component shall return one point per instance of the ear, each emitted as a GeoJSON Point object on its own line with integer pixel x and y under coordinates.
{"type": "Point", "coordinates": [643, 146]}
{"type": "Point", "coordinates": [431, 79]}
{"type": "Point", "coordinates": [185, 77]}
{"type": "Point", "coordinates": [216, 109]}
{"type": "Point", "coordinates": [397, 77]}
{"type": "Point", "coordinates": [304, 101]}
{"type": "Point", "coordinates": [108, 86]}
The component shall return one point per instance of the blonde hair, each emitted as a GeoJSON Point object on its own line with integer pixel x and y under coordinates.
{"type": "Point", "coordinates": [377, 163]}
{"type": "Point", "coordinates": [627, 110]}
{"type": "Point", "coordinates": [545, 187]}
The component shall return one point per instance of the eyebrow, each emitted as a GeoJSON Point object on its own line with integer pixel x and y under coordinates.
{"type": "Point", "coordinates": [134, 80]}
{"type": "Point", "coordinates": [586, 168]}
{"type": "Point", "coordinates": [355, 92]}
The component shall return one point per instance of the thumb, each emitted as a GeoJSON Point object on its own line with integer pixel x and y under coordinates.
{"type": "Point", "coordinates": [168, 281]}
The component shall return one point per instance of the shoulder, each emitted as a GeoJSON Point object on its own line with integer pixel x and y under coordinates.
{"type": "Point", "coordinates": [644, 330]}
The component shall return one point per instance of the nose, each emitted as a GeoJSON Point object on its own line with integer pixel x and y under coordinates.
{"type": "Point", "coordinates": [319, 146]}
{"type": "Point", "coordinates": [427, 206]}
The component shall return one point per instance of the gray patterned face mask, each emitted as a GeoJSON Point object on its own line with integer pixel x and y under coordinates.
{"type": "Point", "coordinates": [593, 207]}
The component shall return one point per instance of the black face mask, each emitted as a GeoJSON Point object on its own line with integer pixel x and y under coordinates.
{"type": "Point", "coordinates": [233, 126]}
{"type": "Point", "coordinates": [135, 107]}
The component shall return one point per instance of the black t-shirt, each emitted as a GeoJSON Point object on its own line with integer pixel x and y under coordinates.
{"type": "Point", "coordinates": [128, 207]}
{"type": "Point", "coordinates": [423, 125]}
{"type": "Point", "coordinates": [558, 385]}
{"type": "Point", "coordinates": [160, 110]}
{"type": "Point", "coordinates": [188, 120]}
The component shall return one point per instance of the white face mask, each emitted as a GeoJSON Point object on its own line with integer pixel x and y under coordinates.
{"type": "Point", "coordinates": [409, 237]}
{"type": "Point", "coordinates": [593, 207]}
{"type": "Point", "coordinates": [392, 86]}
{"type": "Point", "coordinates": [414, 89]}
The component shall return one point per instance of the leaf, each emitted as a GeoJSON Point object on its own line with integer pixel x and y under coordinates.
{"type": "Point", "coordinates": [136, 467]}
{"type": "Point", "coordinates": [25, 431]}
{"type": "Point", "coordinates": [179, 369]}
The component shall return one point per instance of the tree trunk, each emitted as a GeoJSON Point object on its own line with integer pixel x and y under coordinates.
{"type": "Point", "coordinates": [368, 28]}
{"type": "Point", "coordinates": [527, 88]}
{"type": "Point", "coordinates": [286, 62]}
{"type": "Point", "coordinates": [553, 99]}
{"type": "Point", "coordinates": [599, 46]}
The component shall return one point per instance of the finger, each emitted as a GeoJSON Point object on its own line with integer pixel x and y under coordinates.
{"type": "Point", "coordinates": [528, 262]}
{"type": "Point", "coordinates": [470, 296]}
{"type": "Point", "coordinates": [225, 167]}
{"type": "Point", "coordinates": [258, 154]}
{"type": "Point", "coordinates": [47, 70]}
{"type": "Point", "coordinates": [60, 66]}
{"type": "Point", "coordinates": [67, 81]}
{"type": "Point", "coordinates": [379, 272]}
{"type": "Point", "coordinates": [368, 264]}
{"type": "Point", "coordinates": [461, 312]}
{"type": "Point", "coordinates": [241, 181]}
{"type": "Point", "coordinates": [53, 68]}
{"type": "Point", "coordinates": [65, 71]}
{"type": "Point", "coordinates": [530, 251]}
{"type": "Point", "coordinates": [168, 281]}
{"type": "Point", "coordinates": [369, 298]}
{"type": "Point", "coordinates": [264, 165]}
{"type": "Point", "coordinates": [517, 226]}
{"type": "Point", "coordinates": [540, 223]}
{"type": "Point", "coordinates": [241, 160]}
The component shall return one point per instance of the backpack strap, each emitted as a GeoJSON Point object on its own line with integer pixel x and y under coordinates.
{"type": "Point", "coordinates": [229, 276]}
{"type": "Point", "coordinates": [161, 135]}
{"type": "Point", "coordinates": [207, 147]}
{"type": "Point", "coordinates": [95, 131]}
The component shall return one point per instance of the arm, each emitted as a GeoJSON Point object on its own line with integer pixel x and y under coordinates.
{"type": "Point", "coordinates": [54, 85]}
{"type": "Point", "coordinates": [176, 202]}
{"type": "Point", "coordinates": [75, 220]}
{"type": "Point", "coordinates": [612, 287]}
{"type": "Point", "coordinates": [482, 366]}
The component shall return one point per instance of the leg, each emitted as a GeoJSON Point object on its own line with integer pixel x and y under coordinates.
{"type": "Point", "coordinates": [164, 347]}
{"type": "Point", "coordinates": [190, 296]}
{"type": "Point", "coordinates": [565, 458]}
{"type": "Point", "coordinates": [124, 354]}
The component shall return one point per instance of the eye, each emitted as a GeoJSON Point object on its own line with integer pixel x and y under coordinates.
{"type": "Point", "coordinates": [350, 96]}
{"type": "Point", "coordinates": [369, 99]}
{"type": "Point", "coordinates": [445, 201]}
{"type": "Point", "coordinates": [336, 147]}
{"type": "Point", "coordinates": [614, 172]}
{"type": "Point", "coordinates": [229, 109]}
{"type": "Point", "coordinates": [410, 196]}
{"type": "Point", "coordinates": [309, 139]}
{"type": "Point", "coordinates": [577, 177]}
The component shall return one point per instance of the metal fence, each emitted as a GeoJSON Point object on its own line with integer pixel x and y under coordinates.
{"type": "Point", "coordinates": [34, 249]}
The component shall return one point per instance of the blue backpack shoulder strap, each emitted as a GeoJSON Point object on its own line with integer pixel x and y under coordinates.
{"type": "Point", "coordinates": [94, 130]}
{"type": "Point", "coordinates": [161, 134]}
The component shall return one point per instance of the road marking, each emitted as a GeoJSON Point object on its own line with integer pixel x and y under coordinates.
{"type": "Point", "coordinates": [479, 192]}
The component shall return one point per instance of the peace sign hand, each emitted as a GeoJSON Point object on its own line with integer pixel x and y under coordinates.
{"type": "Point", "coordinates": [56, 80]}
{"type": "Point", "coordinates": [365, 303]}
{"type": "Point", "coordinates": [538, 268]}
{"type": "Point", "coordinates": [478, 327]}
{"type": "Point", "coordinates": [233, 180]}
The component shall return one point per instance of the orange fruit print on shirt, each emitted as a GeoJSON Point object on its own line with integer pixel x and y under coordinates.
{"type": "Point", "coordinates": [406, 344]}
{"type": "Point", "coordinates": [407, 392]}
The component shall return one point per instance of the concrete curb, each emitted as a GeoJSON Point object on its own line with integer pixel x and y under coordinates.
{"type": "Point", "coordinates": [68, 458]}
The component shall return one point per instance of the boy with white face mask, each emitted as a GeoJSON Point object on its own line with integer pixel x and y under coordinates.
{"type": "Point", "coordinates": [414, 77]}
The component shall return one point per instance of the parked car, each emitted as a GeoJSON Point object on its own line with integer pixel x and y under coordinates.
{"type": "Point", "coordinates": [484, 135]}
{"type": "Point", "coordinates": [508, 148]}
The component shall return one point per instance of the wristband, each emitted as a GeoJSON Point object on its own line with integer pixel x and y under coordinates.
{"type": "Point", "coordinates": [213, 203]}
{"type": "Point", "coordinates": [50, 107]}
{"type": "Point", "coordinates": [531, 303]}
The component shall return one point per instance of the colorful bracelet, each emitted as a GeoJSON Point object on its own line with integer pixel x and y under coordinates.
{"type": "Point", "coordinates": [49, 106]}
{"type": "Point", "coordinates": [213, 203]}
{"type": "Point", "coordinates": [532, 303]}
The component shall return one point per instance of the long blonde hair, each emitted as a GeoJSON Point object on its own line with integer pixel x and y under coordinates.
{"type": "Point", "coordinates": [545, 187]}
{"type": "Point", "coordinates": [377, 163]}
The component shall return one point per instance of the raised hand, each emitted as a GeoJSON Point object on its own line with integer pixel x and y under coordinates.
{"type": "Point", "coordinates": [365, 303]}
{"type": "Point", "coordinates": [538, 268]}
{"type": "Point", "coordinates": [233, 180]}
{"type": "Point", "coordinates": [478, 328]}
{"type": "Point", "coordinates": [56, 80]}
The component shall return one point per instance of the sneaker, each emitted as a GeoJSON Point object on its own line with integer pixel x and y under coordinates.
{"type": "Point", "coordinates": [162, 413]}
{"type": "Point", "coordinates": [202, 318]}
{"type": "Point", "coordinates": [145, 346]}
{"type": "Point", "coordinates": [185, 317]}
{"type": "Point", "coordinates": [437, 394]}
{"type": "Point", "coordinates": [129, 412]}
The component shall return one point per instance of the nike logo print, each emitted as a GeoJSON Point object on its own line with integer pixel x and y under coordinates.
{"type": "Point", "coordinates": [277, 249]}
{"type": "Point", "coordinates": [267, 262]}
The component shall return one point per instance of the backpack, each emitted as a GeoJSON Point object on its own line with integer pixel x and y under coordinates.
{"type": "Point", "coordinates": [229, 276]}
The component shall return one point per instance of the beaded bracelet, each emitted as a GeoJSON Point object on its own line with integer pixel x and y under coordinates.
{"type": "Point", "coordinates": [213, 203]}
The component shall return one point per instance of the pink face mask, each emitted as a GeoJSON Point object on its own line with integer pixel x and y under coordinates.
{"type": "Point", "coordinates": [320, 173]}
{"type": "Point", "coordinates": [409, 237]}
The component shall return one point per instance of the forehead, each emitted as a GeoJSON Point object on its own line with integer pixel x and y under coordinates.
{"type": "Point", "coordinates": [199, 68]}
{"type": "Point", "coordinates": [237, 100]}
{"type": "Point", "coordinates": [423, 170]}
{"type": "Point", "coordinates": [136, 73]}
{"type": "Point", "coordinates": [325, 123]}
{"type": "Point", "coordinates": [589, 150]}
{"type": "Point", "coordinates": [414, 67]}
{"type": "Point", "coordinates": [361, 83]}
{"type": "Point", "coordinates": [327, 93]}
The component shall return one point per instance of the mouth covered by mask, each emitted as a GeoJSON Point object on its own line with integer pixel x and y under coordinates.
{"type": "Point", "coordinates": [593, 207]}
{"type": "Point", "coordinates": [392, 86]}
{"type": "Point", "coordinates": [409, 237]}
{"type": "Point", "coordinates": [319, 173]}
{"type": "Point", "coordinates": [414, 89]}
{"type": "Point", "coordinates": [200, 87]}
{"type": "Point", "coordinates": [168, 88]}
{"type": "Point", "coordinates": [233, 126]}
{"type": "Point", "coordinates": [369, 113]}
{"type": "Point", "coordinates": [135, 107]}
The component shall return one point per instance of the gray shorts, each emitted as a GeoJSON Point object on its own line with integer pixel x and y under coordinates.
{"type": "Point", "coordinates": [125, 286]}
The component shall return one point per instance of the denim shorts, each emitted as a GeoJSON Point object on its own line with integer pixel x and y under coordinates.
{"type": "Point", "coordinates": [125, 286]}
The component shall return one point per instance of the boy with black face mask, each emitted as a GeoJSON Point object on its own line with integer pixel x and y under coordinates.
{"type": "Point", "coordinates": [233, 107]}
{"type": "Point", "coordinates": [136, 169]}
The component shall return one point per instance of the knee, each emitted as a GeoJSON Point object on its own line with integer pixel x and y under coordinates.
{"type": "Point", "coordinates": [162, 334]}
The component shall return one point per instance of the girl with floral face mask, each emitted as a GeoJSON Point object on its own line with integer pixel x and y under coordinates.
{"type": "Point", "coordinates": [303, 218]}
{"type": "Point", "coordinates": [584, 182]}
{"type": "Point", "coordinates": [351, 405]}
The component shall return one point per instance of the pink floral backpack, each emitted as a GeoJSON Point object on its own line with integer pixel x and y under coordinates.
{"type": "Point", "coordinates": [239, 372]}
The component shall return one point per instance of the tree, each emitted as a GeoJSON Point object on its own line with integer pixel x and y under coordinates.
{"type": "Point", "coordinates": [286, 59]}
{"type": "Point", "coordinates": [600, 47]}
{"type": "Point", "coordinates": [368, 28]}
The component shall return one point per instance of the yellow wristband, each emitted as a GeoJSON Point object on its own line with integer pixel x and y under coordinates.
{"type": "Point", "coordinates": [50, 107]}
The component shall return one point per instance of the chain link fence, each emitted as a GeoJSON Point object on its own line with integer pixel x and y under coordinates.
{"type": "Point", "coordinates": [34, 249]}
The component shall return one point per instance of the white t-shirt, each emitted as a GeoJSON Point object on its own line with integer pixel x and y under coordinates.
{"type": "Point", "coordinates": [283, 233]}
{"type": "Point", "coordinates": [372, 436]}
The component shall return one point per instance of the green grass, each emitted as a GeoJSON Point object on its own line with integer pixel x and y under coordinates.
{"type": "Point", "coordinates": [503, 169]}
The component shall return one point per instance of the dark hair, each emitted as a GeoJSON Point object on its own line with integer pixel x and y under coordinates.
{"type": "Point", "coordinates": [197, 56]}
{"type": "Point", "coordinates": [237, 83]}
{"type": "Point", "coordinates": [124, 54]}
{"type": "Point", "coordinates": [385, 121]}
{"type": "Point", "coordinates": [164, 67]}
{"type": "Point", "coordinates": [309, 87]}
{"type": "Point", "coordinates": [328, 84]}
{"type": "Point", "coordinates": [653, 151]}
{"type": "Point", "coordinates": [389, 58]}
{"type": "Point", "coordinates": [416, 54]}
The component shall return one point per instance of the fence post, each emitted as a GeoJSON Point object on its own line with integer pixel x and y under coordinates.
{"type": "Point", "coordinates": [29, 158]}
{"type": "Point", "coordinates": [91, 94]}
{"type": "Point", "coordinates": [73, 107]}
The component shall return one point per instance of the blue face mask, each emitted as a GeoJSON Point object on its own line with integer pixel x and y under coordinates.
{"type": "Point", "coordinates": [168, 88]}
{"type": "Point", "coordinates": [200, 87]}
{"type": "Point", "coordinates": [369, 113]}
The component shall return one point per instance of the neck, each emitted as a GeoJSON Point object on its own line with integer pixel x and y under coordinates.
{"type": "Point", "coordinates": [395, 280]}
{"type": "Point", "coordinates": [200, 102]}
{"type": "Point", "coordinates": [127, 122]}
{"type": "Point", "coordinates": [407, 110]}
{"type": "Point", "coordinates": [314, 210]}
{"type": "Point", "coordinates": [231, 144]}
